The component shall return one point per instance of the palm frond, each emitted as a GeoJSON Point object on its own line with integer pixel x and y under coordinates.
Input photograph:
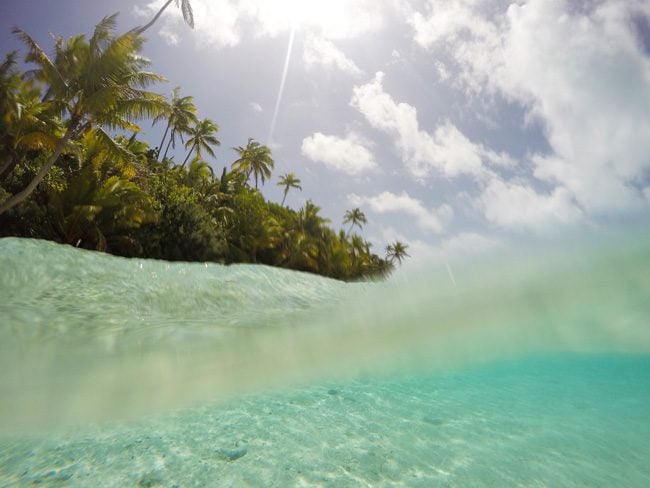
{"type": "Point", "coordinates": [188, 14]}
{"type": "Point", "coordinates": [143, 79]}
{"type": "Point", "coordinates": [8, 64]}
{"type": "Point", "coordinates": [38, 140]}
{"type": "Point", "coordinates": [102, 33]}
{"type": "Point", "coordinates": [112, 147]}
{"type": "Point", "coordinates": [37, 55]}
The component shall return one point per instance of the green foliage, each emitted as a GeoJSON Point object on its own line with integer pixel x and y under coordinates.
{"type": "Point", "coordinates": [396, 252]}
{"type": "Point", "coordinates": [202, 138]}
{"type": "Point", "coordinates": [254, 160]}
{"type": "Point", "coordinates": [289, 181]}
{"type": "Point", "coordinates": [94, 83]}
{"type": "Point", "coordinates": [355, 217]}
{"type": "Point", "coordinates": [180, 115]}
{"type": "Point", "coordinates": [114, 194]}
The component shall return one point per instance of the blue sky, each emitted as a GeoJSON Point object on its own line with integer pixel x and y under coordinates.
{"type": "Point", "coordinates": [456, 125]}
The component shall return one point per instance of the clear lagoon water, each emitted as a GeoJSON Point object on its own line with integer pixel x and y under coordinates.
{"type": "Point", "coordinates": [523, 370]}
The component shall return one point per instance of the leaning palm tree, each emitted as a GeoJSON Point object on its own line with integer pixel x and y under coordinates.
{"type": "Point", "coordinates": [396, 251]}
{"type": "Point", "coordinates": [99, 82]}
{"type": "Point", "coordinates": [202, 137]}
{"type": "Point", "coordinates": [180, 116]}
{"type": "Point", "coordinates": [254, 159]}
{"type": "Point", "coordinates": [355, 217]}
{"type": "Point", "coordinates": [289, 181]}
{"type": "Point", "coordinates": [186, 9]}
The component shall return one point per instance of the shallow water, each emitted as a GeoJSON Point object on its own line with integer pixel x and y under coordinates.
{"type": "Point", "coordinates": [521, 371]}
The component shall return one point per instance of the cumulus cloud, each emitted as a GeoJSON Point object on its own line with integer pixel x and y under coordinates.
{"type": "Point", "coordinates": [518, 206]}
{"type": "Point", "coordinates": [387, 202]}
{"type": "Point", "coordinates": [449, 21]}
{"type": "Point", "coordinates": [322, 52]}
{"type": "Point", "coordinates": [583, 72]}
{"type": "Point", "coordinates": [446, 151]}
{"type": "Point", "coordinates": [348, 155]}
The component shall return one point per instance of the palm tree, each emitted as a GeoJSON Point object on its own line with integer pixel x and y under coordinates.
{"type": "Point", "coordinates": [309, 219]}
{"type": "Point", "coordinates": [186, 9]}
{"type": "Point", "coordinates": [289, 181]}
{"type": "Point", "coordinates": [354, 217]}
{"type": "Point", "coordinates": [396, 251]}
{"type": "Point", "coordinates": [26, 122]}
{"type": "Point", "coordinates": [199, 175]}
{"type": "Point", "coordinates": [98, 82]}
{"type": "Point", "coordinates": [202, 137]}
{"type": "Point", "coordinates": [254, 159]}
{"type": "Point", "coordinates": [109, 213]}
{"type": "Point", "coordinates": [181, 114]}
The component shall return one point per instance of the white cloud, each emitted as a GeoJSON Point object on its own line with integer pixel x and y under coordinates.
{"type": "Point", "coordinates": [443, 72]}
{"type": "Point", "coordinates": [468, 244]}
{"type": "Point", "coordinates": [581, 72]}
{"type": "Point", "coordinates": [446, 252]}
{"type": "Point", "coordinates": [348, 155]}
{"type": "Point", "coordinates": [322, 52]}
{"type": "Point", "coordinates": [446, 151]}
{"type": "Point", "coordinates": [222, 23]}
{"type": "Point", "coordinates": [256, 107]}
{"type": "Point", "coordinates": [517, 206]}
{"type": "Point", "coordinates": [217, 22]}
{"type": "Point", "coordinates": [448, 21]}
{"type": "Point", "coordinates": [387, 202]}
{"type": "Point", "coordinates": [334, 19]}
{"type": "Point", "coordinates": [170, 36]}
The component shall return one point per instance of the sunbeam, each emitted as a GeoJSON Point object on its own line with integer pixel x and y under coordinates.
{"type": "Point", "coordinates": [283, 81]}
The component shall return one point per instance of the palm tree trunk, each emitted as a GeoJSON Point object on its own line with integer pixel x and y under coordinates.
{"type": "Point", "coordinates": [163, 139]}
{"type": "Point", "coordinates": [284, 197]}
{"type": "Point", "coordinates": [7, 167]}
{"type": "Point", "coordinates": [22, 195]}
{"type": "Point", "coordinates": [188, 155]}
{"type": "Point", "coordinates": [171, 138]}
{"type": "Point", "coordinates": [141, 29]}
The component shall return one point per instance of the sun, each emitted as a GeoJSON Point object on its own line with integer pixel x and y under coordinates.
{"type": "Point", "coordinates": [333, 18]}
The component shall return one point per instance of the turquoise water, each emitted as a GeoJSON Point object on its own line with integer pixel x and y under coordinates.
{"type": "Point", "coordinates": [523, 370]}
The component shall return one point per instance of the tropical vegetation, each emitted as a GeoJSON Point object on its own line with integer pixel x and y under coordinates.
{"type": "Point", "coordinates": [73, 169]}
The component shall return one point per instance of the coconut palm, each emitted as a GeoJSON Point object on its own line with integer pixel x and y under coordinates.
{"type": "Point", "coordinates": [289, 181]}
{"type": "Point", "coordinates": [200, 175]}
{"type": "Point", "coordinates": [97, 213]}
{"type": "Point", "coordinates": [202, 137]}
{"type": "Point", "coordinates": [98, 82]}
{"type": "Point", "coordinates": [354, 217]}
{"type": "Point", "coordinates": [186, 9]}
{"type": "Point", "coordinates": [254, 159]}
{"type": "Point", "coordinates": [26, 122]}
{"type": "Point", "coordinates": [180, 116]}
{"type": "Point", "coordinates": [309, 219]}
{"type": "Point", "coordinates": [396, 251]}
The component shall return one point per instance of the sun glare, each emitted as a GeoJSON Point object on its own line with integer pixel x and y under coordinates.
{"type": "Point", "coordinates": [334, 18]}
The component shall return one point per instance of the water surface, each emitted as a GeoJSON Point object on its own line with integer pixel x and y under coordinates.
{"type": "Point", "coordinates": [521, 371]}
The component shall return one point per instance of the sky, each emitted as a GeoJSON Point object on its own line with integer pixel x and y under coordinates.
{"type": "Point", "coordinates": [455, 125]}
